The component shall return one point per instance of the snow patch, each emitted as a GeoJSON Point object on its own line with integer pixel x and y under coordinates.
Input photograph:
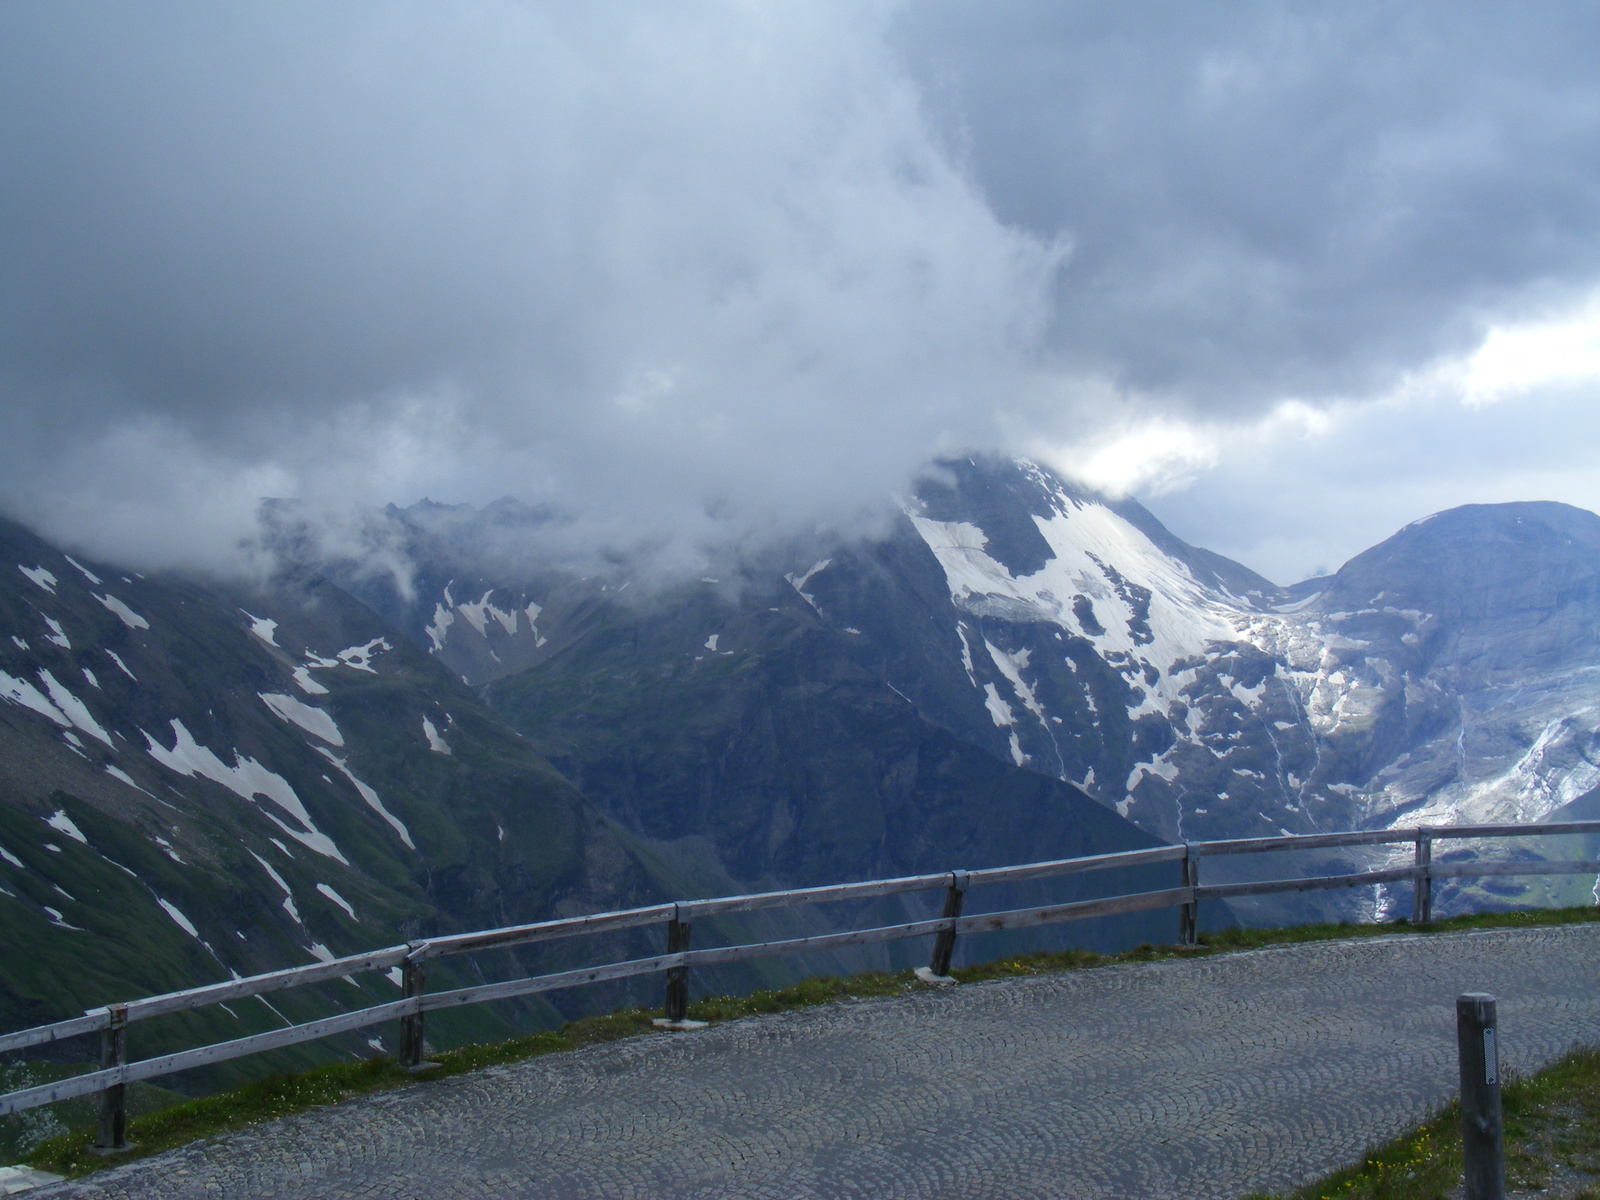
{"type": "Point", "coordinates": [1011, 666]}
{"type": "Point", "coordinates": [360, 657]}
{"type": "Point", "coordinates": [1151, 607]}
{"type": "Point", "coordinates": [308, 685]}
{"type": "Point", "coordinates": [57, 635]}
{"type": "Point", "coordinates": [247, 779]}
{"type": "Point", "coordinates": [313, 720]}
{"type": "Point", "coordinates": [443, 618]}
{"type": "Point", "coordinates": [999, 711]}
{"type": "Point", "coordinates": [12, 858]}
{"type": "Point", "coordinates": [1298, 605]}
{"type": "Point", "coordinates": [288, 896]}
{"type": "Point", "coordinates": [123, 665]}
{"type": "Point", "coordinates": [178, 918]}
{"type": "Point", "coordinates": [479, 614]}
{"type": "Point", "coordinates": [87, 574]}
{"type": "Point", "coordinates": [75, 709]}
{"type": "Point", "coordinates": [57, 919]}
{"type": "Point", "coordinates": [966, 652]}
{"type": "Point", "coordinates": [371, 797]}
{"type": "Point", "coordinates": [93, 682]}
{"type": "Point", "coordinates": [435, 743]}
{"type": "Point", "coordinates": [1158, 766]}
{"type": "Point", "coordinates": [798, 582]}
{"type": "Point", "coordinates": [20, 691]}
{"type": "Point", "coordinates": [166, 848]}
{"type": "Point", "coordinates": [533, 611]}
{"type": "Point", "coordinates": [40, 576]}
{"type": "Point", "coordinates": [263, 628]}
{"type": "Point", "coordinates": [18, 642]}
{"type": "Point", "coordinates": [122, 776]}
{"type": "Point", "coordinates": [1248, 697]}
{"type": "Point", "coordinates": [337, 899]}
{"type": "Point", "coordinates": [124, 614]}
{"type": "Point", "coordinates": [711, 642]}
{"type": "Point", "coordinates": [61, 823]}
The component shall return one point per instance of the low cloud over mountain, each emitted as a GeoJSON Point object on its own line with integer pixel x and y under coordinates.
{"type": "Point", "coordinates": [725, 274]}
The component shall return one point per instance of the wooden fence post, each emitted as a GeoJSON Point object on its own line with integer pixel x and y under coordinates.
{"type": "Point", "coordinates": [944, 942]}
{"type": "Point", "coordinates": [1189, 914]}
{"type": "Point", "coordinates": [1482, 1133]}
{"type": "Point", "coordinates": [111, 1130]}
{"type": "Point", "coordinates": [1422, 886]}
{"type": "Point", "coordinates": [676, 1001]}
{"type": "Point", "coordinates": [413, 975]}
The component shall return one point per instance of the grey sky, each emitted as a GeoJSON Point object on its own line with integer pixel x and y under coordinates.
{"type": "Point", "coordinates": [705, 273]}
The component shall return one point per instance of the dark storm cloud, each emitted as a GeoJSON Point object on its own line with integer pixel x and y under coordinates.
{"type": "Point", "coordinates": [707, 272]}
{"type": "Point", "coordinates": [1272, 199]}
{"type": "Point", "coordinates": [692, 272]}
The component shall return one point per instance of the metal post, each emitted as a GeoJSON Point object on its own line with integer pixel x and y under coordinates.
{"type": "Point", "coordinates": [676, 1002]}
{"type": "Point", "coordinates": [1189, 914]}
{"type": "Point", "coordinates": [944, 942]}
{"type": "Point", "coordinates": [1482, 1134]}
{"type": "Point", "coordinates": [111, 1130]}
{"type": "Point", "coordinates": [1422, 885]}
{"type": "Point", "coordinates": [413, 975]}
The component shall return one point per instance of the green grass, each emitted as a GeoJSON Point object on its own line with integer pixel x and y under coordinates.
{"type": "Point", "coordinates": [1407, 1162]}
{"type": "Point", "coordinates": [1552, 1142]}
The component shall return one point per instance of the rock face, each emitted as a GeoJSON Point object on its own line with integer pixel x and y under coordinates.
{"type": "Point", "coordinates": [1476, 635]}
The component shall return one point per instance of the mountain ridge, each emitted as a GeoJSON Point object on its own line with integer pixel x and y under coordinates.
{"type": "Point", "coordinates": [1015, 668]}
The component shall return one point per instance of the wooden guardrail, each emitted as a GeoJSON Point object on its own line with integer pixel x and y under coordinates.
{"type": "Point", "coordinates": [111, 1022]}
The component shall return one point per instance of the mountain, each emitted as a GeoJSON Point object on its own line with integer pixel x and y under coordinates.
{"type": "Point", "coordinates": [202, 778]}
{"type": "Point", "coordinates": [1475, 635]}
{"type": "Point", "coordinates": [1443, 676]}
{"type": "Point", "coordinates": [191, 787]}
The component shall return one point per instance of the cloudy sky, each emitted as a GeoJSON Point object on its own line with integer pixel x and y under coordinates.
{"type": "Point", "coordinates": [1294, 274]}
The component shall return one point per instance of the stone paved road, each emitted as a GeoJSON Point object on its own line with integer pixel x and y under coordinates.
{"type": "Point", "coordinates": [1191, 1079]}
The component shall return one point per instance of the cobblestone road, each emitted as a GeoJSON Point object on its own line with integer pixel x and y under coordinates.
{"type": "Point", "coordinates": [1196, 1078]}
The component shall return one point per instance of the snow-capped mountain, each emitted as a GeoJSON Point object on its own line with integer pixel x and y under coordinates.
{"type": "Point", "coordinates": [1450, 674]}
{"type": "Point", "coordinates": [199, 779]}
{"type": "Point", "coordinates": [1447, 675]}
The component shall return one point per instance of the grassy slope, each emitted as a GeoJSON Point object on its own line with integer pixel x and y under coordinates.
{"type": "Point", "coordinates": [281, 1095]}
{"type": "Point", "coordinates": [1552, 1141]}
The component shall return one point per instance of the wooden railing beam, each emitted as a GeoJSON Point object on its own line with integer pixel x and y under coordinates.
{"type": "Point", "coordinates": [115, 1072]}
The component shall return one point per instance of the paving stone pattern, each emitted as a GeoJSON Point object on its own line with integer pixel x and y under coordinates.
{"type": "Point", "coordinates": [1196, 1078]}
